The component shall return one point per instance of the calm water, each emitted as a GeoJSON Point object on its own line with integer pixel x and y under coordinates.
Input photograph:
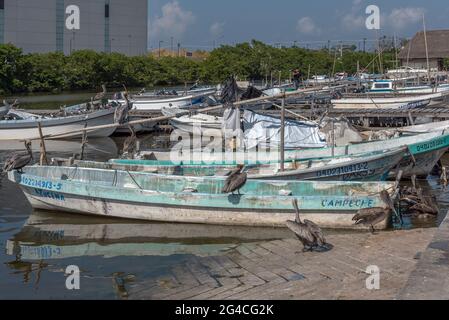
{"type": "Point", "coordinates": [36, 246]}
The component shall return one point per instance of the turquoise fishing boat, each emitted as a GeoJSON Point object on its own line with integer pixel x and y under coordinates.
{"type": "Point", "coordinates": [367, 167]}
{"type": "Point", "coordinates": [425, 150]}
{"type": "Point", "coordinates": [153, 197]}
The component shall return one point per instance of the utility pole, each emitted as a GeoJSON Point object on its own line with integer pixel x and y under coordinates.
{"type": "Point", "coordinates": [171, 46]}
{"type": "Point", "coordinates": [160, 42]}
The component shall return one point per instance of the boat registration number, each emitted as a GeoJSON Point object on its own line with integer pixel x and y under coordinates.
{"type": "Point", "coordinates": [41, 184]}
{"type": "Point", "coordinates": [343, 170]}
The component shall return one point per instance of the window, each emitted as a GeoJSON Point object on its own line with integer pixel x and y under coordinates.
{"type": "Point", "coordinates": [106, 11]}
{"type": "Point", "coordinates": [2, 4]}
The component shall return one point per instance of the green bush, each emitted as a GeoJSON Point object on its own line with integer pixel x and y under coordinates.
{"type": "Point", "coordinates": [86, 69]}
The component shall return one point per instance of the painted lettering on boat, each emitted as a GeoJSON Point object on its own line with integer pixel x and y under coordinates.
{"type": "Point", "coordinates": [430, 145]}
{"type": "Point", "coordinates": [45, 184]}
{"type": "Point", "coordinates": [358, 175]}
{"type": "Point", "coordinates": [343, 170]}
{"type": "Point", "coordinates": [347, 203]}
{"type": "Point", "coordinates": [49, 194]}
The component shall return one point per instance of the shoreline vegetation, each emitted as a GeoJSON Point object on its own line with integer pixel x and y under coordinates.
{"type": "Point", "coordinates": [87, 70]}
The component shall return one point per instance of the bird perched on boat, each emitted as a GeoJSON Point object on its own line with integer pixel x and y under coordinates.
{"type": "Point", "coordinates": [19, 160]}
{"type": "Point", "coordinates": [101, 95]}
{"type": "Point", "coordinates": [373, 216]}
{"type": "Point", "coordinates": [121, 112]}
{"type": "Point", "coordinates": [309, 233]}
{"type": "Point", "coordinates": [236, 180]}
{"type": "Point", "coordinates": [130, 144]}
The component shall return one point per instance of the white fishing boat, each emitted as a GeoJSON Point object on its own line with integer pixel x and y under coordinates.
{"type": "Point", "coordinates": [157, 103]}
{"type": "Point", "coordinates": [202, 122]}
{"type": "Point", "coordinates": [25, 125]}
{"type": "Point", "coordinates": [105, 148]}
{"type": "Point", "coordinates": [403, 103]}
{"type": "Point", "coordinates": [390, 86]}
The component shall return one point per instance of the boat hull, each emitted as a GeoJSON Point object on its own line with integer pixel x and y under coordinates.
{"type": "Point", "coordinates": [27, 130]}
{"type": "Point", "coordinates": [363, 168]}
{"type": "Point", "coordinates": [426, 148]}
{"type": "Point", "coordinates": [330, 204]}
{"type": "Point", "coordinates": [176, 214]}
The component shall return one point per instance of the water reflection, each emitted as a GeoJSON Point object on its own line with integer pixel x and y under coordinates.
{"type": "Point", "coordinates": [47, 236]}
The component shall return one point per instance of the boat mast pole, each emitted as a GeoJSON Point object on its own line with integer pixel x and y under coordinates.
{"type": "Point", "coordinates": [283, 134]}
{"type": "Point", "coordinates": [427, 48]}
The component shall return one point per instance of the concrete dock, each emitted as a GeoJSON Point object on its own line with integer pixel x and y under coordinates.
{"type": "Point", "coordinates": [413, 264]}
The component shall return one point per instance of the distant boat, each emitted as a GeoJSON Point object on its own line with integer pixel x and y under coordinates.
{"type": "Point", "coordinates": [157, 103]}
{"type": "Point", "coordinates": [25, 127]}
{"type": "Point", "coordinates": [388, 86]}
{"type": "Point", "coordinates": [402, 103]}
{"type": "Point", "coordinates": [154, 197]}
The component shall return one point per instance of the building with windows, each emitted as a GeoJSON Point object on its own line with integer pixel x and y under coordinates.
{"type": "Point", "coordinates": [68, 25]}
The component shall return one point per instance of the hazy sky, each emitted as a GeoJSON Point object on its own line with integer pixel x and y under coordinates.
{"type": "Point", "coordinates": [197, 23]}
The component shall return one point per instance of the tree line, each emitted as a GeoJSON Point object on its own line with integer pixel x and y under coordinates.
{"type": "Point", "coordinates": [86, 69]}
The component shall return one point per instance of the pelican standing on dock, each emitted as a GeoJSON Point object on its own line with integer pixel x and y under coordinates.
{"type": "Point", "coordinates": [236, 180]}
{"type": "Point", "coordinates": [309, 233]}
{"type": "Point", "coordinates": [19, 160]}
{"type": "Point", "coordinates": [373, 216]}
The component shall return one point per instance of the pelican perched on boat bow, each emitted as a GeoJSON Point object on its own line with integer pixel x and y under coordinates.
{"type": "Point", "coordinates": [19, 160]}
{"type": "Point", "coordinates": [309, 233]}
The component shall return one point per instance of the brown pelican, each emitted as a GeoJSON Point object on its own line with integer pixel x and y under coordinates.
{"type": "Point", "coordinates": [101, 95]}
{"type": "Point", "coordinates": [235, 180]}
{"type": "Point", "coordinates": [130, 144]}
{"type": "Point", "coordinates": [307, 232]}
{"type": "Point", "coordinates": [19, 160]}
{"type": "Point", "coordinates": [121, 112]}
{"type": "Point", "coordinates": [373, 216]}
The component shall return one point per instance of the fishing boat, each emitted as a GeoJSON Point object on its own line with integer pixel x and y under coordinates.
{"type": "Point", "coordinates": [369, 167]}
{"type": "Point", "coordinates": [170, 93]}
{"type": "Point", "coordinates": [157, 103]}
{"type": "Point", "coordinates": [103, 147]}
{"type": "Point", "coordinates": [56, 235]}
{"type": "Point", "coordinates": [390, 86]}
{"type": "Point", "coordinates": [425, 150]}
{"type": "Point", "coordinates": [165, 198]}
{"type": "Point", "coordinates": [402, 103]}
{"type": "Point", "coordinates": [25, 125]}
{"type": "Point", "coordinates": [201, 121]}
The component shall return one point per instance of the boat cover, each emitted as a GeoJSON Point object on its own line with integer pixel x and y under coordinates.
{"type": "Point", "coordinates": [264, 131]}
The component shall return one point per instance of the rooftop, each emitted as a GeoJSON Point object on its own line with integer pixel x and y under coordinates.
{"type": "Point", "coordinates": [437, 42]}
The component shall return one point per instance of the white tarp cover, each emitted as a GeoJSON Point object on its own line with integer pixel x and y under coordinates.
{"type": "Point", "coordinates": [265, 131]}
